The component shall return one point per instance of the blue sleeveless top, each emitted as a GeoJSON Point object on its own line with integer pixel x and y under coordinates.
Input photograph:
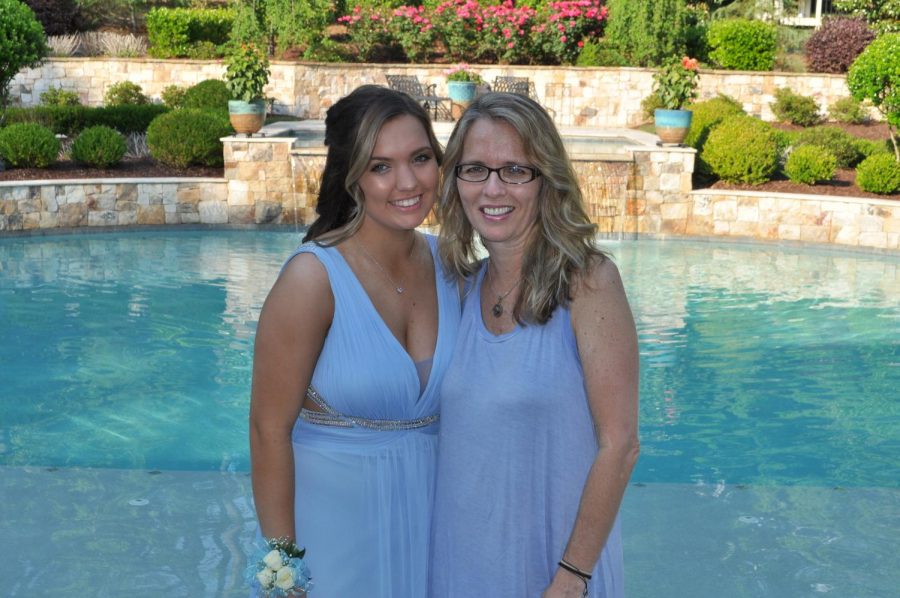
{"type": "Point", "coordinates": [516, 444]}
{"type": "Point", "coordinates": [363, 493]}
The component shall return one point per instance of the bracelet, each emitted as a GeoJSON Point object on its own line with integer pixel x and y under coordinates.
{"type": "Point", "coordinates": [584, 575]}
{"type": "Point", "coordinates": [279, 569]}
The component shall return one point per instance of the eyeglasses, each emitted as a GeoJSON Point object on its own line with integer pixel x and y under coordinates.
{"type": "Point", "coordinates": [513, 174]}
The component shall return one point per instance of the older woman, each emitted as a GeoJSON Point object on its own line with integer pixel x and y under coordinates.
{"type": "Point", "coordinates": [539, 405]}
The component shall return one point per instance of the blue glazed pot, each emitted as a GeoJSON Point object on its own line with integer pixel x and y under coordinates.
{"type": "Point", "coordinates": [461, 91]}
{"type": "Point", "coordinates": [672, 126]}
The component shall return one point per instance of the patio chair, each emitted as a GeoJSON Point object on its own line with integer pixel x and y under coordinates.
{"type": "Point", "coordinates": [425, 94]}
{"type": "Point", "coordinates": [522, 86]}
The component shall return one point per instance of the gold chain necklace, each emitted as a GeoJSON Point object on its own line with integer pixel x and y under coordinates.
{"type": "Point", "coordinates": [497, 309]}
{"type": "Point", "coordinates": [397, 287]}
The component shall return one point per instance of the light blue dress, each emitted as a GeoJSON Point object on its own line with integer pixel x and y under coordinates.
{"type": "Point", "coordinates": [516, 443]}
{"type": "Point", "coordinates": [365, 473]}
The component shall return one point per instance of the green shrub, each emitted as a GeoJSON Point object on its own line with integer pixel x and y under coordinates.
{"type": "Point", "coordinates": [126, 118]}
{"type": "Point", "coordinates": [795, 108]}
{"type": "Point", "coordinates": [22, 43]}
{"type": "Point", "coordinates": [173, 96]}
{"type": "Point", "coordinates": [648, 32]}
{"type": "Point", "coordinates": [99, 146]}
{"type": "Point", "coordinates": [871, 147]}
{"type": "Point", "coordinates": [298, 23]}
{"type": "Point", "coordinates": [205, 50]}
{"type": "Point", "coordinates": [173, 31]}
{"type": "Point", "coordinates": [57, 96]}
{"type": "Point", "coordinates": [875, 76]}
{"type": "Point", "coordinates": [742, 44]}
{"type": "Point", "coordinates": [883, 15]}
{"type": "Point", "coordinates": [211, 93]}
{"type": "Point", "coordinates": [706, 115]}
{"type": "Point", "coordinates": [650, 104]}
{"type": "Point", "coordinates": [842, 145]}
{"type": "Point", "coordinates": [848, 110]}
{"type": "Point", "coordinates": [188, 136]}
{"type": "Point", "coordinates": [125, 93]}
{"type": "Point", "coordinates": [61, 120]}
{"type": "Point", "coordinates": [28, 145]}
{"type": "Point", "coordinates": [742, 149]}
{"type": "Point", "coordinates": [598, 53]}
{"type": "Point", "coordinates": [879, 174]}
{"type": "Point", "coordinates": [809, 164]}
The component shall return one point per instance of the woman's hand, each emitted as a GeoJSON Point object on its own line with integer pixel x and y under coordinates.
{"type": "Point", "coordinates": [565, 585]}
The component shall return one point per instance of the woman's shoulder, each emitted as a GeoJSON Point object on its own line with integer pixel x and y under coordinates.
{"type": "Point", "coordinates": [599, 281]}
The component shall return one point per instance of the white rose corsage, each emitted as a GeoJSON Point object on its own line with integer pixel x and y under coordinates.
{"type": "Point", "coordinates": [279, 569]}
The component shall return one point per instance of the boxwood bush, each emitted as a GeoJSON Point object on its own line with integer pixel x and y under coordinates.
{"type": "Point", "coordinates": [842, 145]}
{"type": "Point", "coordinates": [71, 120]}
{"type": "Point", "coordinates": [742, 44]}
{"type": "Point", "coordinates": [125, 93]}
{"type": "Point", "coordinates": [211, 93]}
{"type": "Point", "coordinates": [188, 136]}
{"type": "Point", "coordinates": [742, 149]}
{"type": "Point", "coordinates": [795, 108]}
{"type": "Point", "coordinates": [848, 110]}
{"type": "Point", "coordinates": [99, 146]}
{"type": "Point", "coordinates": [809, 164]}
{"type": "Point", "coordinates": [879, 174]}
{"type": "Point", "coordinates": [706, 115]}
{"type": "Point", "coordinates": [173, 32]}
{"type": "Point", "coordinates": [28, 145]}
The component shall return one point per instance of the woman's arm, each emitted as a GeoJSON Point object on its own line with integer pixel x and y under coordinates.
{"type": "Point", "coordinates": [607, 344]}
{"type": "Point", "coordinates": [292, 327]}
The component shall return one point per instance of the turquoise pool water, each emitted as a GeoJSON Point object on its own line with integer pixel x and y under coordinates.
{"type": "Point", "coordinates": [770, 420]}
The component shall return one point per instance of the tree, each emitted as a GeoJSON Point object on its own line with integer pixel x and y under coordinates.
{"type": "Point", "coordinates": [875, 76]}
{"type": "Point", "coordinates": [882, 15]}
{"type": "Point", "coordinates": [648, 32]}
{"type": "Point", "coordinates": [22, 43]}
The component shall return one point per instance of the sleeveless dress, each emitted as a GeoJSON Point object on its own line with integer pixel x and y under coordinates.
{"type": "Point", "coordinates": [516, 443]}
{"type": "Point", "coordinates": [365, 470]}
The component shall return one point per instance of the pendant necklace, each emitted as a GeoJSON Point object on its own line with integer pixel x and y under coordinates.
{"type": "Point", "coordinates": [397, 287]}
{"type": "Point", "coordinates": [497, 309]}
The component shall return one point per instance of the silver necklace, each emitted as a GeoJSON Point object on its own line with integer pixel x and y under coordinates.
{"type": "Point", "coordinates": [397, 287]}
{"type": "Point", "coordinates": [497, 308]}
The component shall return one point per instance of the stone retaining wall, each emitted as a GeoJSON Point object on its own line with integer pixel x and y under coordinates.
{"type": "Point", "coordinates": [112, 202]}
{"type": "Point", "coordinates": [577, 96]}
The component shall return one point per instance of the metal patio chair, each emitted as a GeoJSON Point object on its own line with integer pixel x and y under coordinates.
{"type": "Point", "coordinates": [426, 94]}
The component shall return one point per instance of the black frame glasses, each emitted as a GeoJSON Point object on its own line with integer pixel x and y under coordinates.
{"type": "Point", "coordinates": [479, 173]}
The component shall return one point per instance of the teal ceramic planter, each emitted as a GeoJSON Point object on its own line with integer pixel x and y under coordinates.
{"type": "Point", "coordinates": [672, 126]}
{"type": "Point", "coordinates": [247, 117]}
{"type": "Point", "coordinates": [461, 92]}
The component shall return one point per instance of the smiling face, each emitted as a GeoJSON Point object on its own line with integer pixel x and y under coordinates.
{"type": "Point", "coordinates": [400, 181]}
{"type": "Point", "coordinates": [501, 213]}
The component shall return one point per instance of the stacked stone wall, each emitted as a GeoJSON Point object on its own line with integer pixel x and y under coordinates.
{"type": "Point", "coordinates": [576, 96]}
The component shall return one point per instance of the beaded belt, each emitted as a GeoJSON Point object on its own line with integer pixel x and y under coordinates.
{"type": "Point", "coordinates": [330, 417]}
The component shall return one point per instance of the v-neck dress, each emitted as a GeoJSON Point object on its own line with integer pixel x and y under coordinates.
{"type": "Point", "coordinates": [365, 471]}
{"type": "Point", "coordinates": [517, 441]}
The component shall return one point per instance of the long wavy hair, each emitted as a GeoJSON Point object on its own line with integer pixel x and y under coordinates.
{"type": "Point", "coordinates": [561, 245]}
{"type": "Point", "coordinates": [352, 125]}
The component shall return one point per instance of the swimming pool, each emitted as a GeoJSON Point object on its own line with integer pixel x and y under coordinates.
{"type": "Point", "coordinates": [770, 425]}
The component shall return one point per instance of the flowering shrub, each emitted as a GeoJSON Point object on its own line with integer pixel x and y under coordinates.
{"type": "Point", "coordinates": [675, 83]}
{"type": "Point", "coordinates": [499, 31]}
{"type": "Point", "coordinates": [461, 72]}
{"type": "Point", "coordinates": [565, 26]}
{"type": "Point", "coordinates": [367, 29]}
{"type": "Point", "coordinates": [410, 26]}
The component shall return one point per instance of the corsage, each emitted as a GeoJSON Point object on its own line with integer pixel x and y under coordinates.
{"type": "Point", "coordinates": [279, 569]}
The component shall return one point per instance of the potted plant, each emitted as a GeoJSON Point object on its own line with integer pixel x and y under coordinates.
{"type": "Point", "coordinates": [462, 82]}
{"type": "Point", "coordinates": [675, 85]}
{"type": "Point", "coordinates": [246, 74]}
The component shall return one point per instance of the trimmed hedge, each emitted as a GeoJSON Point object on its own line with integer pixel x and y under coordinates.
{"type": "Point", "coordinates": [795, 108]}
{"type": "Point", "coordinates": [173, 32]}
{"type": "Point", "coordinates": [99, 146]}
{"type": "Point", "coordinates": [706, 115]}
{"type": "Point", "coordinates": [809, 164]}
{"type": "Point", "coordinates": [742, 44]}
{"type": "Point", "coordinates": [71, 120]}
{"type": "Point", "coordinates": [211, 93]}
{"type": "Point", "coordinates": [842, 145]}
{"type": "Point", "coordinates": [28, 145]}
{"type": "Point", "coordinates": [879, 174]}
{"type": "Point", "coordinates": [742, 149]}
{"type": "Point", "coordinates": [188, 136]}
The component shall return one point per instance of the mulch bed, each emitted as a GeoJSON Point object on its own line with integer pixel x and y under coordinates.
{"type": "Point", "coordinates": [844, 181]}
{"type": "Point", "coordinates": [137, 168]}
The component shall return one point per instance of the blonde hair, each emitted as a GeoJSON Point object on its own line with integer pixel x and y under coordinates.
{"type": "Point", "coordinates": [561, 246]}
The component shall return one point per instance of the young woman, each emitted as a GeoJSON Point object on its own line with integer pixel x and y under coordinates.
{"type": "Point", "coordinates": [352, 344]}
{"type": "Point", "coordinates": [539, 406]}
